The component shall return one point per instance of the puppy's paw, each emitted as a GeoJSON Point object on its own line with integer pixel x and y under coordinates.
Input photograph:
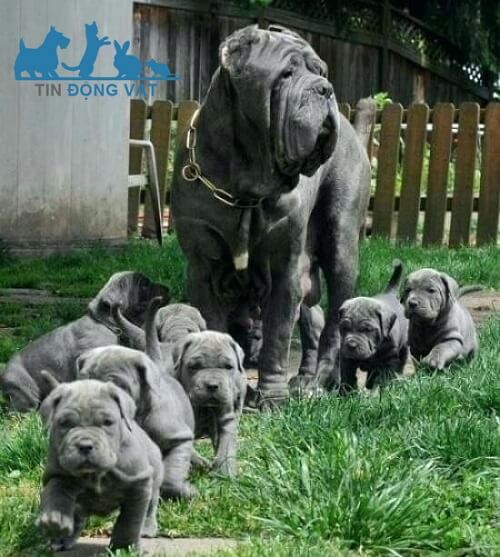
{"type": "Point", "coordinates": [150, 528]}
{"type": "Point", "coordinates": [183, 491]}
{"type": "Point", "coordinates": [225, 467]}
{"type": "Point", "coordinates": [56, 523]}
{"type": "Point", "coordinates": [434, 360]}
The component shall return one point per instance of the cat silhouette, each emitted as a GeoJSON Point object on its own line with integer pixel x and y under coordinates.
{"type": "Point", "coordinates": [42, 60]}
{"type": "Point", "coordinates": [159, 70]}
{"type": "Point", "coordinates": [86, 65]}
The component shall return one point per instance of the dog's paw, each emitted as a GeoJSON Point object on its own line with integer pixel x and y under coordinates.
{"type": "Point", "coordinates": [150, 528]}
{"type": "Point", "coordinates": [305, 386]}
{"type": "Point", "coordinates": [225, 468]}
{"type": "Point", "coordinates": [183, 491]}
{"type": "Point", "coordinates": [434, 360]}
{"type": "Point", "coordinates": [57, 523]}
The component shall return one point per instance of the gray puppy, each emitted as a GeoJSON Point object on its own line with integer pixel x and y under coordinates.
{"type": "Point", "coordinates": [99, 460]}
{"type": "Point", "coordinates": [164, 326]}
{"type": "Point", "coordinates": [163, 408]}
{"type": "Point", "coordinates": [209, 366]}
{"type": "Point", "coordinates": [57, 351]}
{"type": "Point", "coordinates": [374, 335]}
{"type": "Point", "coordinates": [441, 329]}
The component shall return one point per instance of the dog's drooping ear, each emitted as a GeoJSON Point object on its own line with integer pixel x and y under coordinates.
{"type": "Point", "coordinates": [125, 404]}
{"type": "Point", "coordinates": [50, 380]}
{"type": "Point", "coordinates": [178, 351]}
{"type": "Point", "coordinates": [240, 355]}
{"type": "Point", "coordinates": [50, 404]}
{"type": "Point", "coordinates": [450, 288]}
{"type": "Point", "coordinates": [387, 318]}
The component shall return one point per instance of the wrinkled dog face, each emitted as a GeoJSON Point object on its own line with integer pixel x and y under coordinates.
{"type": "Point", "coordinates": [210, 367]}
{"type": "Point", "coordinates": [427, 294]}
{"type": "Point", "coordinates": [364, 323]}
{"type": "Point", "coordinates": [129, 290]}
{"type": "Point", "coordinates": [281, 85]}
{"type": "Point", "coordinates": [86, 421]}
{"type": "Point", "coordinates": [176, 321]}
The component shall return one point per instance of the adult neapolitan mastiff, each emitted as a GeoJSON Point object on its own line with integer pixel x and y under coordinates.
{"type": "Point", "coordinates": [271, 184]}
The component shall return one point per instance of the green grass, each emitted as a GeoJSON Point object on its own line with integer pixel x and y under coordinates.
{"type": "Point", "coordinates": [412, 471]}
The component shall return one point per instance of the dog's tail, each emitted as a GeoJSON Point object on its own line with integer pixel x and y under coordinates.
{"type": "Point", "coordinates": [152, 341]}
{"type": "Point", "coordinates": [464, 290]}
{"type": "Point", "coordinates": [70, 68]}
{"type": "Point", "coordinates": [366, 109]}
{"type": "Point", "coordinates": [397, 273]}
{"type": "Point", "coordinates": [134, 334]}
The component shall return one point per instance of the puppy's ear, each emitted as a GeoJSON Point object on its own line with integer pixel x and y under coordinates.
{"type": "Point", "coordinates": [387, 318]}
{"type": "Point", "coordinates": [450, 288]}
{"type": "Point", "coordinates": [79, 365]}
{"type": "Point", "coordinates": [240, 355]}
{"type": "Point", "coordinates": [50, 404]}
{"type": "Point", "coordinates": [178, 351]}
{"type": "Point", "coordinates": [125, 404]}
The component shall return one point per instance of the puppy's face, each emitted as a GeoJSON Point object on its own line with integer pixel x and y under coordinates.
{"type": "Point", "coordinates": [176, 321]}
{"type": "Point", "coordinates": [364, 324]}
{"type": "Point", "coordinates": [210, 367]}
{"type": "Point", "coordinates": [87, 421]}
{"type": "Point", "coordinates": [131, 292]}
{"type": "Point", "coordinates": [427, 294]}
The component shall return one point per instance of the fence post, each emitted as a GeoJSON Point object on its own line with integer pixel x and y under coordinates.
{"type": "Point", "coordinates": [465, 166]}
{"type": "Point", "coordinates": [439, 164]}
{"type": "Point", "coordinates": [161, 119]}
{"type": "Point", "coordinates": [388, 158]}
{"type": "Point", "coordinates": [489, 197]}
{"type": "Point", "coordinates": [409, 205]}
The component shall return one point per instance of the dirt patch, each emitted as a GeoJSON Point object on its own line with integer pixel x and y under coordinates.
{"type": "Point", "coordinates": [482, 305]}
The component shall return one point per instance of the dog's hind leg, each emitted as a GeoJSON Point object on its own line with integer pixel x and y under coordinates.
{"type": "Point", "coordinates": [311, 323]}
{"type": "Point", "coordinates": [20, 388]}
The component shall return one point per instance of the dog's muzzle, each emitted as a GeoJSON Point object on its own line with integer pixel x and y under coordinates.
{"type": "Point", "coordinates": [86, 450]}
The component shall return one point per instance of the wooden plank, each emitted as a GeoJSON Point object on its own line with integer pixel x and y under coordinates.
{"type": "Point", "coordinates": [138, 110]}
{"type": "Point", "coordinates": [345, 109]}
{"type": "Point", "coordinates": [464, 174]}
{"type": "Point", "coordinates": [160, 137]}
{"type": "Point", "coordinates": [489, 197]}
{"type": "Point", "coordinates": [416, 133]}
{"type": "Point", "coordinates": [388, 158]}
{"type": "Point", "coordinates": [184, 115]}
{"type": "Point", "coordinates": [439, 164]}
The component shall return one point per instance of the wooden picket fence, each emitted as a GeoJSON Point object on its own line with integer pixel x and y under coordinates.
{"type": "Point", "coordinates": [436, 176]}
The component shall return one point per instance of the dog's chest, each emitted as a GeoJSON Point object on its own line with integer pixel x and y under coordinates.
{"type": "Point", "coordinates": [100, 494]}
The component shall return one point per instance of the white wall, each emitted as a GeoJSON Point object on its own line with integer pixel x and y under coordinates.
{"type": "Point", "coordinates": [63, 160]}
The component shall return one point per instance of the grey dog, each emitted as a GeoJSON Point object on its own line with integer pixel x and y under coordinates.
{"type": "Point", "coordinates": [209, 366]}
{"type": "Point", "coordinates": [374, 335]}
{"type": "Point", "coordinates": [163, 408]}
{"type": "Point", "coordinates": [292, 179]}
{"type": "Point", "coordinates": [99, 460]}
{"type": "Point", "coordinates": [58, 350]}
{"type": "Point", "coordinates": [441, 329]}
{"type": "Point", "coordinates": [163, 327]}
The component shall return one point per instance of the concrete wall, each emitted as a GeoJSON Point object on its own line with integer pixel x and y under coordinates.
{"type": "Point", "coordinates": [63, 160]}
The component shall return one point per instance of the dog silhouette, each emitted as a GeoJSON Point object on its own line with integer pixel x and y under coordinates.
{"type": "Point", "coordinates": [159, 70]}
{"type": "Point", "coordinates": [128, 65]}
{"type": "Point", "coordinates": [43, 59]}
{"type": "Point", "coordinates": [86, 65]}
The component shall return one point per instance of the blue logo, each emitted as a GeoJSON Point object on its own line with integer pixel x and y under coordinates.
{"type": "Point", "coordinates": [41, 64]}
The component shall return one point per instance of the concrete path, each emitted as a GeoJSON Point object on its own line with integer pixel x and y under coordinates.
{"type": "Point", "coordinates": [178, 547]}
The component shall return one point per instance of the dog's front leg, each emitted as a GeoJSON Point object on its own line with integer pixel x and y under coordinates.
{"type": "Point", "coordinates": [226, 445]}
{"type": "Point", "coordinates": [443, 353]}
{"type": "Point", "coordinates": [278, 319]}
{"type": "Point", "coordinates": [133, 512]}
{"type": "Point", "coordinates": [57, 513]}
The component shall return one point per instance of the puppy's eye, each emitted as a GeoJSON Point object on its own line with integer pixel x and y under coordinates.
{"type": "Point", "coordinates": [228, 366]}
{"type": "Point", "coordinates": [288, 72]}
{"type": "Point", "coordinates": [196, 366]}
{"type": "Point", "coordinates": [431, 290]}
{"type": "Point", "coordinates": [344, 324]}
{"type": "Point", "coordinates": [66, 423]}
{"type": "Point", "coordinates": [108, 422]}
{"type": "Point", "coordinates": [366, 329]}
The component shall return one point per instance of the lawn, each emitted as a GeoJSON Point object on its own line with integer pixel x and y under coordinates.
{"type": "Point", "coordinates": [412, 471]}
